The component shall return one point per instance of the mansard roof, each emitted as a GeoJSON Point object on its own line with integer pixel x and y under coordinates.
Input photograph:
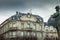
{"type": "Point", "coordinates": [18, 15]}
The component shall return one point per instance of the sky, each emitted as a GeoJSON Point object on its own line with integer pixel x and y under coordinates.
{"type": "Point", "coordinates": [43, 8]}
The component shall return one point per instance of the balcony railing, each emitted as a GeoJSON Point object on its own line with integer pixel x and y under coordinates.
{"type": "Point", "coordinates": [12, 28]}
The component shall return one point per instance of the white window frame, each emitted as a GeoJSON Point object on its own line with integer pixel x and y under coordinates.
{"type": "Point", "coordinates": [40, 27]}
{"type": "Point", "coordinates": [14, 25]}
{"type": "Point", "coordinates": [34, 26]}
{"type": "Point", "coordinates": [21, 33]}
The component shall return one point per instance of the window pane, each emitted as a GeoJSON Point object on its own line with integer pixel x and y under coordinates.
{"type": "Point", "coordinates": [22, 24]}
{"type": "Point", "coordinates": [28, 15]}
{"type": "Point", "coordinates": [28, 25]}
{"type": "Point", "coordinates": [40, 19]}
{"type": "Point", "coordinates": [28, 33]}
{"type": "Point", "coordinates": [10, 33]}
{"type": "Point", "coordinates": [33, 33]}
{"type": "Point", "coordinates": [14, 25]}
{"type": "Point", "coordinates": [39, 35]}
{"type": "Point", "coordinates": [40, 27]}
{"type": "Point", "coordinates": [47, 35]}
{"type": "Point", "coordinates": [34, 26]}
{"type": "Point", "coordinates": [21, 33]}
{"type": "Point", "coordinates": [14, 33]}
{"type": "Point", "coordinates": [46, 28]}
{"type": "Point", "coordinates": [10, 25]}
{"type": "Point", "coordinates": [51, 35]}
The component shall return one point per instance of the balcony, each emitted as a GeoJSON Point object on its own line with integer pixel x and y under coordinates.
{"type": "Point", "coordinates": [13, 28]}
{"type": "Point", "coordinates": [28, 29]}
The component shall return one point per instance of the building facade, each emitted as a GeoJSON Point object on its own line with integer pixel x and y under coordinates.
{"type": "Point", "coordinates": [50, 32]}
{"type": "Point", "coordinates": [22, 26]}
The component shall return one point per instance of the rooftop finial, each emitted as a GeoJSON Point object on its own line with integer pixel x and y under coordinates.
{"type": "Point", "coordinates": [57, 8]}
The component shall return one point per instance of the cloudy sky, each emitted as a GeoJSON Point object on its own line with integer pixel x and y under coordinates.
{"type": "Point", "coordinates": [44, 8]}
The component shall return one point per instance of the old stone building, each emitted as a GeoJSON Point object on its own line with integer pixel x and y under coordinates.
{"type": "Point", "coordinates": [26, 26]}
{"type": "Point", "coordinates": [50, 32]}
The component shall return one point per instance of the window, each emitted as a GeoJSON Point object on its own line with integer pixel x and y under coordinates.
{"type": "Point", "coordinates": [39, 35]}
{"type": "Point", "coordinates": [21, 33]}
{"type": "Point", "coordinates": [52, 18]}
{"type": "Point", "coordinates": [51, 35]}
{"type": "Point", "coordinates": [40, 27]}
{"type": "Point", "coordinates": [28, 25]}
{"type": "Point", "coordinates": [28, 33]}
{"type": "Point", "coordinates": [47, 35]}
{"type": "Point", "coordinates": [10, 25]}
{"type": "Point", "coordinates": [46, 28]}
{"type": "Point", "coordinates": [25, 33]}
{"type": "Point", "coordinates": [28, 16]}
{"type": "Point", "coordinates": [34, 26]}
{"type": "Point", "coordinates": [22, 24]}
{"type": "Point", "coordinates": [12, 34]}
{"type": "Point", "coordinates": [14, 25]}
{"type": "Point", "coordinates": [33, 33]}
{"type": "Point", "coordinates": [6, 35]}
{"type": "Point", "coordinates": [13, 17]}
{"type": "Point", "coordinates": [51, 27]}
{"type": "Point", "coordinates": [40, 19]}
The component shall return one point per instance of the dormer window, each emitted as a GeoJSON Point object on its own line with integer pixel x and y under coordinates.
{"type": "Point", "coordinates": [13, 18]}
{"type": "Point", "coordinates": [40, 20]}
{"type": "Point", "coordinates": [28, 15]}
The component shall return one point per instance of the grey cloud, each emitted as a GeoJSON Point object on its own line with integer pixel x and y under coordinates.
{"type": "Point", "coordinates": [8, 5]}
{"type": "Point", "coordinates": [22, 3]}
